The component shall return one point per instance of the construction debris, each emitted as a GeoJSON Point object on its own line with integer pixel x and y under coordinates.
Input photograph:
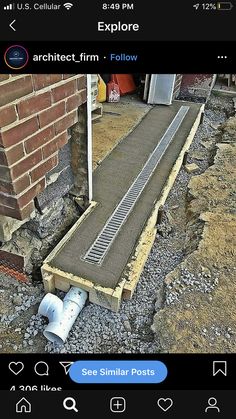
{"type": "Point", "coordinates": [191, 168]}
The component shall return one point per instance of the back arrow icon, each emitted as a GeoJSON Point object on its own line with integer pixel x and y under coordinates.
{"type": "Point", "coordinates": [11, 25]}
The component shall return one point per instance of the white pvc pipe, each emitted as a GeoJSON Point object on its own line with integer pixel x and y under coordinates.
{"type": "Point", "coordinates": [61, 314]}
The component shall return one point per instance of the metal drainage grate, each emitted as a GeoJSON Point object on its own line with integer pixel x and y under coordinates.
{"type": "Point", "coordinates": [99, 248]}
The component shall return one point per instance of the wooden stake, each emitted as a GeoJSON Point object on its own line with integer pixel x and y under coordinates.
{"type": "Point", "coordinates": [185, 158]}
{"type": "Point", "coordinates": [160, 214]}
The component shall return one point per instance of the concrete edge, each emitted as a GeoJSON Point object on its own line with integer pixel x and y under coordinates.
{"type": "Point", "coordinates": [54, 278]}
{"type": "Point", "coordinates": [68, 235]}
{"type": "Point", "coordinates": [141, 252]}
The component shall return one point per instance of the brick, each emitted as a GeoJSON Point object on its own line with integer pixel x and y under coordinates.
{"type": "Point", "coordinates": [28, 196]}
{"type": "Point", "coordinates": [6, 187]}
{"type": "Point", "coordinates": [13, 260]}
{"type": "Point", "coordinates": [7, 116]}
{"type": "Point", "coordinates": [51, 114]}
{"type": "Point", "coordinates": [12, 155]}
{"type": "Point", "coordinates": [19, 132]}
{"type": "Point", "coordinates": [43, 168]}
{"type": "Point", "coordinates": [16, 187]}
{"type": "Point", "coordinates": [66, 122]}
{"type": "Point", "coordinates": [10, 212]}
{"type": "Point", "coordinates": [33, 105]}
{"type": "Point", "coordinates": [67, 76]}
{"type": "Point", "coordinates": [4, 77]}
{"type": "Point", "coordinates": [5, 173]}
{"type": "Point", "coordinates": [3, 158]}
{"type": "Point", "coordinates": [8, 201]}
{"type": "Point", "coordinates": [83, 94]}
{"type": "Point", "coordinates": [55, 145]}
{"type": "Point", "coordinates": [21, 183]}
{"type": "Point", "coordinates": [76, 100]}
{"type": "Point", "coordinates": [63, 91]}
{"type": "Point", "coordinates": [27, 164]}
{"type": "Point", "coordinates": [41, 81]}
{"type": "Point", "coordinates": [19, 214]}
{"type": "Point", "coordinates": [15, 89]}
{"type": "Point", "coordinates": [82, 82]}
{"type": "Point", "coordinates": [37, 140]}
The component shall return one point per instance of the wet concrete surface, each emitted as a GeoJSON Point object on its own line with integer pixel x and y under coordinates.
{"type": "Point", "coordinates": [111, 181]}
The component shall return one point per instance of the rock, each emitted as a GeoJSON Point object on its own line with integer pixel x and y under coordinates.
{"type": "Point", "coordinates": [169, 217]}
{"type": "Point", "coordinates": [127, 325]}
{"type": "Point", "coordinates": [17, 300]}
{"type": "Point", "coordinates": [207, 144]}
{"type": "Point", "coordinates": [191, 167]}
{"type": "Point", "coordinates": [214, 125]}
{"type": "Point", "coordinates": [206, 271]}
{"type": "Point", "coordinates": [7, 227]}
{"type": "Point", "coordinates": [159, 299]}
{"type": "Point", "coordinates": [199, 154]}
{"type": "Point", "coordinates": [45, 224]}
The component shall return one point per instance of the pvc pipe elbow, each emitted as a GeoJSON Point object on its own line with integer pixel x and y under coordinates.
{"type": "Point", "coordinates": [61, 314]}
{"type": "Point", "coordinates": [51, 307]}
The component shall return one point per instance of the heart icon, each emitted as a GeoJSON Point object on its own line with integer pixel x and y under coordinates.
{"type": "Point", "coordinates": [165, 404]}
{"type": "Point", "coordinates": [16, 367]}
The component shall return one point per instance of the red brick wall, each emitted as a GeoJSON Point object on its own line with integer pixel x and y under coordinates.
{"type": "Point", "coordinates": [196, 85]}
{"type": "Point", "coordinates": [36, 111]}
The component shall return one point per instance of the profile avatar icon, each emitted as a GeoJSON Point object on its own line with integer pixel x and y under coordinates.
{"type": "Point", "coordinates": [16, 57]}
{"type": "Point", "coordinates": [212, 405]}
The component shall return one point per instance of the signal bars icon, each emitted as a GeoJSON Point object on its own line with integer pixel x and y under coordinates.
{"type": "Point", "coordinates": [68, 6]}
{"type": "Point", "coordinates": [9, 7]}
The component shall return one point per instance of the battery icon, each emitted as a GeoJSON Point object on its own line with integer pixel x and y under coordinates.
{"type": "Point", "coordinates": [224, 5]}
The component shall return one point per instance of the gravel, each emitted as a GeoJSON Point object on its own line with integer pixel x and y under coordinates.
{"type": "Point", "coordinates": [20, 302]}
{"type": "Point", "coordinates": [189, 282]}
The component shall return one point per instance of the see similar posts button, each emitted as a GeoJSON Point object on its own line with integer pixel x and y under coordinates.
{"type": "Point", "coordinates": [118, 372]}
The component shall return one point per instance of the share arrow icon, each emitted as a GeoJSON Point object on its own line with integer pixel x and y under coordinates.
{"type": "Point", "coordinates": [66, 365]}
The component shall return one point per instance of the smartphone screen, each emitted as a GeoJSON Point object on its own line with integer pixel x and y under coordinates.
{"type": "Point", "coordinates": [117, 209]}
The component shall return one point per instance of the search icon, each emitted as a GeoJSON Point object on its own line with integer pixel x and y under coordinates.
{"type": "Point", "coordinates": [71, 405]}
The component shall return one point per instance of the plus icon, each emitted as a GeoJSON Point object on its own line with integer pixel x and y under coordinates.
{"type": "Point", "coordinates": [117, 404]}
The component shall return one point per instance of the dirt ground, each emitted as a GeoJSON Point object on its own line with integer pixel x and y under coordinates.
{"type": "Point", "coordinates": [117, 121]}
{"type": "Point", "coordinates": [199, 313]}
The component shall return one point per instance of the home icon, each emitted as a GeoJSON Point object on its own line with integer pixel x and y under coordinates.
{"type": "Point", "coordinates": [23, 406]}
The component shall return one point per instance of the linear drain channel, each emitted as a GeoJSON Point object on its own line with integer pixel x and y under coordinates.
{"type": "Point", "coordinates": [100, 246]}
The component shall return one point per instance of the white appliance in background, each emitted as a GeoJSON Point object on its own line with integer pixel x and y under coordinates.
{"type": "Point", "coordinates": [159, 88]}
